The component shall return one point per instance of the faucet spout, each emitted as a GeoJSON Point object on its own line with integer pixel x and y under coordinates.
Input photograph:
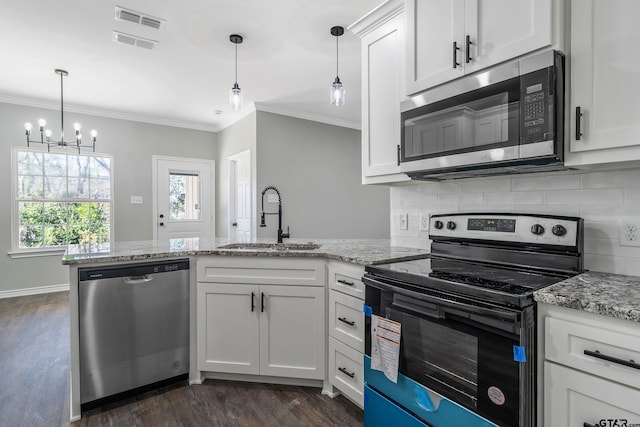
{"type": "Point", "coordinates": [280, 235]}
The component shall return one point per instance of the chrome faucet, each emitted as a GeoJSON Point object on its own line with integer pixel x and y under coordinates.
{"type": "Point", "coordinates": [281, 235]}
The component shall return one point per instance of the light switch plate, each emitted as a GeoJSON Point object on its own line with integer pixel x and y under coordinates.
{"type": "Point", "coordinates": [404, 221]}
{"type": "Point", "coordinates": [136, 200]}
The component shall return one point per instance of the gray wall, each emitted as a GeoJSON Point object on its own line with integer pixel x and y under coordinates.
{"type": "Point", "coordinates": [130, 143]}
{"type": "Point", "coordinates": [317, 168]}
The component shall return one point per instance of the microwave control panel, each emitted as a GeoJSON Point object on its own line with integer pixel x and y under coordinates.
{"type": "Point", "coordinates": [537, 109]}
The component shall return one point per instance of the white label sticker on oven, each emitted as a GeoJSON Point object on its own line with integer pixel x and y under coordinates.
{"type": "Point", "coordinates": [385, 346]}
{"type": "Point", "coordinates": [496, 395]}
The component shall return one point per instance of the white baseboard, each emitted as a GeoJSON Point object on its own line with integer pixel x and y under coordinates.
{"type": "Point", "coordinates": [34, 291]}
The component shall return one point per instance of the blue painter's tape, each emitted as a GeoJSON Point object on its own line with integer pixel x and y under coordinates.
{"type": "Point", "coordinates": [519, 355]}
{"type": "Point", "coordinates": [367, 310]}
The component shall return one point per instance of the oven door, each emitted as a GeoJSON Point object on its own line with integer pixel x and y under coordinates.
{"type": "Point", "coordinates": [478, 355]}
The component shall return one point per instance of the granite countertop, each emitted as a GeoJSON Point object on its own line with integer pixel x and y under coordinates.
{"type": "Point", "coordinates": [611, 295]}
{"type": "Point", "coordinates": [355, 251]}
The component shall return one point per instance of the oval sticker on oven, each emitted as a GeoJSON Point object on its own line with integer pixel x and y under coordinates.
{"type": "Point", "coordinates": [496, 395]}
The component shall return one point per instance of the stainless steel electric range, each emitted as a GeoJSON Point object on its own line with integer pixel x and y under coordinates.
{"type": "Point", "coordinates": [467, 315]}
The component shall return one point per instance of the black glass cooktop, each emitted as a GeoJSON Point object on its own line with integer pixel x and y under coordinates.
{"type": "Point", "coordinates": [482, 280]}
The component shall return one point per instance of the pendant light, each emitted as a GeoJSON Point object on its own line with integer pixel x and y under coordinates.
{"type": "Point", "coordinates": [336, 92]}
{"type": "Point", "coordinates": [235, 94]}
{"type": "Point", "coordinates": [45, 135]}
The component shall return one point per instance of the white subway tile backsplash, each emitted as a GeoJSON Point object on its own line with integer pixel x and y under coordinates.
{"type": "Point", "coordinates": [601, 198]}
{"type": "Point", "coordinates": [513, 198]}
{"type": "Point", "coordinates": [609, 196]}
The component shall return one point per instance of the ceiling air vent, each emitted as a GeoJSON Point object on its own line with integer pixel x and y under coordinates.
{"type": "Point", "coordinates": [129, 15]}
{"type": "Point", "coordinates": [134, 40]}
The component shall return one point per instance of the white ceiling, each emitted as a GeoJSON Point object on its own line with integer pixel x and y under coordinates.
{"type": "Point", "coordinates": [285, 64]}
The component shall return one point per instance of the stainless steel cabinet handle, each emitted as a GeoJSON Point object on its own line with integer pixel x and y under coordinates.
{"type": "Point", "coordinates": [344, 282]}
{"type": "Point", "coordinates": [468, 49]}
{"type": "Point", "coordinates": [345, 320]}
{"type": "Point", "coordinates": [578, 123]}
{"type": "Point", "coordinates": [455, 55]}
{"type": "Point", "coordinates": [598, 355]}
{"type": "Point", "coordinates": [346, 372]}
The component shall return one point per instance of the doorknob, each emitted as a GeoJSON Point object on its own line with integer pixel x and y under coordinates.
{"type": "Point", "coordinates": [235, 224]}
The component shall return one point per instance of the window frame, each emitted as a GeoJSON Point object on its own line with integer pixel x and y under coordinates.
{"type": "Point", "coordinates": [16, 250]}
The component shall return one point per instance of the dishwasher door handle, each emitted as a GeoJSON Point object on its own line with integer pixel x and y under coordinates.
{"type": "Point", "coordinates": [134, 280]}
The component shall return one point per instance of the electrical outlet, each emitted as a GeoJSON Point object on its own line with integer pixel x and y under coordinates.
{"type": "Point", "coordinates": [404, 221]}
{"type": "Point", "coordinates": [629, 232]}
{"type": "Point", "coordinates": [424, 221]}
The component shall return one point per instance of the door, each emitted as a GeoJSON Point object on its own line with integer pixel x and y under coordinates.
{"type": "Point", "coordinates": [604, 75]}
{"type": "Point", "coordinates": [240, 197]}
{"type": "Point", "coordinates": [183, 205]}
{"type": "Point", "coordinates": [432, 28]}
{"type": "Point", "coordinates": [292, 332]}
{"type": "Point", "coordinates": [228, 328]}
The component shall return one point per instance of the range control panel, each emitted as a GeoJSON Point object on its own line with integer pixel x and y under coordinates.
{"type": "Point", "coordinates": [536, 229]}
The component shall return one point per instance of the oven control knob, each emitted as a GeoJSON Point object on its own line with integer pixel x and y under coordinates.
{"type": "Point", "coordinates": [558, 230]}
{"type": "Point", "coordinates": [451, 225]}
{"type": "Point", "coordinates": [537, 229]}
{"type": "Point", "coordinates": [438, 225]}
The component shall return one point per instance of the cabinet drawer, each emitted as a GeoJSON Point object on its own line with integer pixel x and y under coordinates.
{"type": "Point", "coordinates": [574, 398]}
{"type": "Point", "coordinates": [346, 372]}
{"type": "Point", "coordinates": [346, 320]}
{"type": "Point", "coordinates": [567, 341]}
{"type": "Point", "coordinates": [347, 278]}
{"type": "Point", "coordinates": [261, 270]}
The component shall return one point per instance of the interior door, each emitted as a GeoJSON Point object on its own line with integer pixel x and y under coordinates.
{"type": "Point", "coordinates": [183, 198]}
{"type": "Point", "coordinates": [240, 197]}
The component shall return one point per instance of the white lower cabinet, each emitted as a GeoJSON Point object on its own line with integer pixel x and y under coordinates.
{"type": "Point", "coordinates": [346, 330]}
{"type": "Point", "coordinates": [591, 375]}
{"type": "Point", "coordinates": [575, 398]}
{"type": "Point", "coordinates": [248, 327]}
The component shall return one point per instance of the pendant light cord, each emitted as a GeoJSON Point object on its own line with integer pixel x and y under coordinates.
{"type": "Point", "coordinates": [61, 108]}
{"type": "Point", "coordinates": [236, 63]}
{"type": "Point", "coordinates": [337, 74]}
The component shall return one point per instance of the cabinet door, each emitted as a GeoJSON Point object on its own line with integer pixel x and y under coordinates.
{"type": "Point", "coordinates": [383, 77]}
{"type": "Point", "coordinates": [500, 30]}
{"type": "Point", "coordinates": [604, 77]}
{"type": "Point", "coordinates": [574, 398]}
{"type": "Point", "coordinates": [228, 328]}
{"type": "Point", "coordinates": [432, 28]}
{"type": "Point", "coordinates": [292, 332]}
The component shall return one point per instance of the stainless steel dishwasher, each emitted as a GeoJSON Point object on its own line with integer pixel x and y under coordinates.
{"type": "Point", "coordinates": [134, 327]}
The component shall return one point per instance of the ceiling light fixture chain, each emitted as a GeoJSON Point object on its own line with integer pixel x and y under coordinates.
{"type": "Point", "coordinates": [235, 95]}
{"type": "Point", "coordinates": [45, 135]}
{"type": "Point", "coordinates": [337, 92]}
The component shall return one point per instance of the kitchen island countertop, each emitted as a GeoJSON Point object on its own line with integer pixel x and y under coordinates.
{"type": "Point", "coordinates": [612, 295]}
{"type": "Point", "coordinates": [355, 251]}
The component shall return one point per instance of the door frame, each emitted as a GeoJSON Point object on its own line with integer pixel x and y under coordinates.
{"type": "Point", "coordinates": [231, 190]}
{"type": "Point", "coordinates": [154, 173]}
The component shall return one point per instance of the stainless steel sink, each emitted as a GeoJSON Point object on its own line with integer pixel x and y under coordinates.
{"type": "Point", "coordinates": [273, 246]}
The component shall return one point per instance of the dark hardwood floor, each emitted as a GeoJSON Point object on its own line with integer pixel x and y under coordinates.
{"type": "Point", "coordinates": [34, 385]}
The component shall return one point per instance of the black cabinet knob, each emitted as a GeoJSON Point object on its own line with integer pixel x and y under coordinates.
{"type": "Point", "coordinates": [558, 230]}
{"type": "Point", "coordinates": [537, 229]}
{"type": "Point", "coordinates": [438, 225]}
{"type": "Point", "coordinates": [451, 225]}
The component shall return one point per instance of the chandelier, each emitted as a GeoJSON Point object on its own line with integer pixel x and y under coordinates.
{"type": "Point", "coordinates": [45, 134]}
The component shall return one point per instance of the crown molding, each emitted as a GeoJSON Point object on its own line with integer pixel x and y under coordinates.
{"type": "Point", "coordinates": [270, 108]}
{"type": "Point", "coordinates": [112, 114]}
{"type": "Point", "coordinates": [377, 17]}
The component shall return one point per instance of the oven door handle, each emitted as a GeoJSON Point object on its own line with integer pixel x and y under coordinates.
{"type": "Point", "coordinates": [443, 304]}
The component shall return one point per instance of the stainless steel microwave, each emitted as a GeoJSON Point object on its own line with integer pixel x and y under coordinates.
{"type": "Point", "coordinates": [508, 119]}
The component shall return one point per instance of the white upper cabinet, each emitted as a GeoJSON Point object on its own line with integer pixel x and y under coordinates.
{"type": "Point", "coordinates": [449, 38]}
{"type": "Point", "coordinates": [605, 72]}
{"type": "Point", "coordinates": [382, 34]}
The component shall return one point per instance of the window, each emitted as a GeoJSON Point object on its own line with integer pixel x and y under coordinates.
{"type": "Point", "coordinates": [60, 199]}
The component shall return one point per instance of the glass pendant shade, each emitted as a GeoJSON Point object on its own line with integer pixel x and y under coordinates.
{"type": "Point", "coordinates": [235, 97]}
{"type": "Point", "coordinates": [337, 93]}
